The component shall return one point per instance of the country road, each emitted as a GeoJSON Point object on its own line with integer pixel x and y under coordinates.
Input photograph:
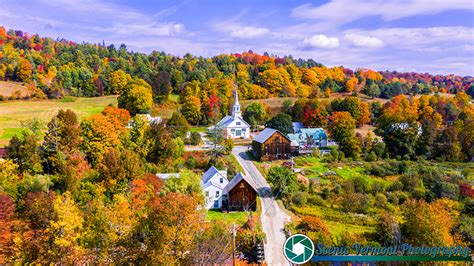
{"type": "Point", "coordinates": [273, 217]}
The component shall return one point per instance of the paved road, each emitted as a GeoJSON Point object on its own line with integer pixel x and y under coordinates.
{"type": "Point", "coordinates": [273, 217]}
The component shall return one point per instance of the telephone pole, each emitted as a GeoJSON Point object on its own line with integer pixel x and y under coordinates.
{"type": "Point", "coordinates": [233, 244]}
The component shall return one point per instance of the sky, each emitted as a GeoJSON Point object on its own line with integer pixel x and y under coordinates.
{"type": "Point", "coordinates": [435, 36]}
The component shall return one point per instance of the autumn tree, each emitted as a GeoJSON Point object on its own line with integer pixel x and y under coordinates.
{"type": "Point", "coordinates": [255, 114]}
{"type": "Point", "coordinates": [37, 237]}
{"type": "Point", "coordinates": [24, 151]}
{"type": "Point", "coordinates": [160, 82]}
{"type": "Point", "coordinates": [282, 180]}
{"type": "Point", "coordinates": [398, 125]}
{"type": "Point", "coordinates": [359, 110]}
{"type": "Point", "coordinates": [103, 131]}
{"type": "Point", "coordinates": [186, 183]}
{"type": "Point", "coordinates": [137, 98]}
{"type": "Point", "coordinates": [66, 229]}
{"type": "Point", "coordinates": [428, 223]}
{"type": "Point", "coordinates": [191, 109]}
{"type": "Point", "coordinates": [281, 122]}
{"type": "Point", "coordinates": [24, 70]}
{"type": "Point", "coordinates": [118, 80]}
{"type": "Point", "coordinates": [314, 113]}
{"type": "Point", "coordinates": [178, 124]}
{"type": "Point", "coordinates": [173, 225]}
{"type": "Point", "coordinates": [371, 89]}
{"type": "Point", "coordinates": [61, 140]}
{"type": "Point", "coordinates": [342, 129]}
{"type": "Point", "coordinates": [163, 147]}
{"type": "Point", "coordinates": [7, 227]}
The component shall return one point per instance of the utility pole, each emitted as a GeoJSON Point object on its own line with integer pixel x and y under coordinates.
{"type": "Point", "coordinates": [233, 244]}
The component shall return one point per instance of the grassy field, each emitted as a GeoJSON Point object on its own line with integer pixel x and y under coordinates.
{"type": "Point", "coordinates": [7, 88]}
{"type": "Point", "coordinates": [12, 113]}
{"type": "Point", "coordinates": [238, 218]}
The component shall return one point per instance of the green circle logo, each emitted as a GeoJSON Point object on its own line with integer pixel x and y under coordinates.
{"type": "Point", "coordinates": [298, 249]}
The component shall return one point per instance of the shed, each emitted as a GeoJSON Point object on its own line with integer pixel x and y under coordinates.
{"type": "Point", "coordinates": [240, 194]}
{"type": "Point", "coordinates": [270, 145]}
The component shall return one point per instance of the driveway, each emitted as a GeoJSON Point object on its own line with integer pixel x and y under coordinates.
{"type": "Point", "coordinates": [273, 217]}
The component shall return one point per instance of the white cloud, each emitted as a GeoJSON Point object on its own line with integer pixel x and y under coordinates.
{"type": "Point", "coordinates": [152, 29]}
{"type": "Point", "coordinates": [344, 11]}
{"type": "Point", "coordinates": [415, 38]}
{"type": "Point", "coordinates": [238, 30]}
{"type": "Point", "coordinates": [249, 32]}
{"type": "Point", "coordinates": [364, 40]}
{"type": "Point", "coordinates": [320, 41]}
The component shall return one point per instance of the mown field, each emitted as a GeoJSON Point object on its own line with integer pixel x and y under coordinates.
{"type": "Point", "coordinates": [13, 113]}
{"type": "Point", "coordinates": [7, 88]}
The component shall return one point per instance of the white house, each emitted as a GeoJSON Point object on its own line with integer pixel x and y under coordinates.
{"type": "Point", "coordinates": [234, 125]}
{"type": "Point", "coordinates": [213, 182]}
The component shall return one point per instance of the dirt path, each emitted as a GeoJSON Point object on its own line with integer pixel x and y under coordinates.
{"type": "Point", "coordinates": [273, 217]}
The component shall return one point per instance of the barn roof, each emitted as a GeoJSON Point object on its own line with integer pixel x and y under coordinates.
{"type": "Point", "coordinates": [265, 134]}
{"type": "Point", "coordinates": [239, 177]}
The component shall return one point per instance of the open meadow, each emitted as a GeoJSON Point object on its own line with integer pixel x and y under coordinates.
{"type": "Point", "coordinates": [13, 113]}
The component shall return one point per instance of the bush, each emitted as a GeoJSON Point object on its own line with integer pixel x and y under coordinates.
{"type": "Point", "coordinates": [356, 203]}
{"type": "Point", "coordinates": [316, 200]}
{"type": "Point", "coordinates": [299, 198]}
{"type": "Point", "coordinates": [194, 139]}
{"type": "Point", "coordinates": [326, 193]}
{"type": "Point", "coordinates": [381, 201]}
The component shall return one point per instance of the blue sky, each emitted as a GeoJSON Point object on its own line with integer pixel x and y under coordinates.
{"type": "Point", "coordinates": [435, 36]}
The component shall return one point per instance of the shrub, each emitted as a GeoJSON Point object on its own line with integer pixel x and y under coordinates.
{"type": "Point", "coordinates": [381, 201]}
{"type": "Point", "coordinates": [194, 139]}
{"type": "Point", "coordinates": [299, 198]}
{"type": "Point", "coordinates": [377, 187]}
{"type": "Point", "coordinates": [356, 203]}
{"type": "Point", "coordinates": [387, 230]}
{"type": "Point", "coordinates": [316, 200]}
{"type": "Point", "coordinates": [312, 223]}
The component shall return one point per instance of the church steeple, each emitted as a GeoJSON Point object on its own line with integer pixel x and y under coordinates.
{"type": "Point", "coordinates": [236, 108]}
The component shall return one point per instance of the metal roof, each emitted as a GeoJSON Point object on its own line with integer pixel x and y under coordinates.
{"type": "Point", "coordinates": [264, 135]}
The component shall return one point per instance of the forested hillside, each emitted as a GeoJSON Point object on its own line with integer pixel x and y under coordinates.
{"type": "Point", "coordinates": [80, 187]}
{"type": "Point", "coordinates": [54, 68]}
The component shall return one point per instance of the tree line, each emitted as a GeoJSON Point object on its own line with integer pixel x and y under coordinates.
{"type": "Point", "coordinates": [55, 68]}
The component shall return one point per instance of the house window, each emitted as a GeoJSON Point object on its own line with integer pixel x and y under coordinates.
{"type": "Point", "coordinates": [221, 180]}
{"type": "Point", "coordinates": [217, 194]}
{"type": "Point", "coordinates": [216, 204]}
{"type": "Point", "coordinates": [232, 130]}
{"type": "Point", "coordinates": [238, 123]}
{"type": "Point", "coordinates": [207, 193]}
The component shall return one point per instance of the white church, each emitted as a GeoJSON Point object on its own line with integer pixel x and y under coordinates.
{"type": "Point", "coordinates": [234, 125]}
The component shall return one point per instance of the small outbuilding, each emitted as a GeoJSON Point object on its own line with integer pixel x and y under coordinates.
{"type": "Point", "coordinates": [270, 145]}
{"type": "Point", "coordinates": [240, 194]}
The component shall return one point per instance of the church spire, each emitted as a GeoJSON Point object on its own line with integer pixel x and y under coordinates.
{"type": "Point", "coordinates": [236, 108]}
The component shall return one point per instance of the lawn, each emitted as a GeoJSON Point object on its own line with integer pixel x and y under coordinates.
{"type": "Point", "coordinates": [198, 129]}
{"type": "Point", "coordinates": [239, 218]}
{"type": "Point", "coordinates": [311, 163]}
{"type": "Point", "coordinates": [12, 113]}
